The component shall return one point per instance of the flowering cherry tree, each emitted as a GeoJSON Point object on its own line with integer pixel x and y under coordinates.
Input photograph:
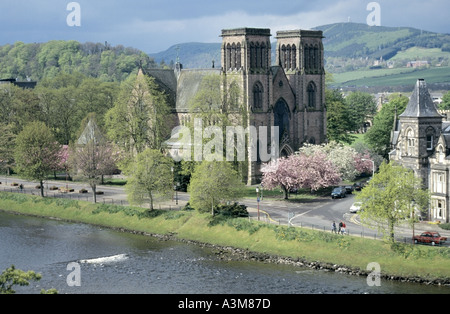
{"type": "Point", "coordinates": [312, 171]}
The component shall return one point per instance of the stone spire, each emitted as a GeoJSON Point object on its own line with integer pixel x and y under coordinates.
{"type": "Point", "coordinates": [421, 104]}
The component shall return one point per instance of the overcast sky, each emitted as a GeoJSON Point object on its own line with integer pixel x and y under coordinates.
{"type": "Point", "coordinates": [155, 25]}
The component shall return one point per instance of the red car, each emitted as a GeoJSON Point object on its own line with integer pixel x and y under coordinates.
{"type": "Point", "coordinates": [432, 238]}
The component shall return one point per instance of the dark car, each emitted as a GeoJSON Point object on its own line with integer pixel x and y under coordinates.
{"type": "Point", "coordinates": [432, 238]}
{"type": "Point", "coordinates": [339, 192]}
{"type": "Point", "coordinates": [349, 189]}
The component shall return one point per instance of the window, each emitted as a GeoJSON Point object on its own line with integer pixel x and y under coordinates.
{"type": "Point", "coordinates": [258, 96]}
{"type": "Point", "coordinates": [311, 95]}
{"type": "Point", "coordinates": [410, 142]}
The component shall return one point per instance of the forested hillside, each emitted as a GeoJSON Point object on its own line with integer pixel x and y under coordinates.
{"type": "Point", "coordinates": [46, 60]}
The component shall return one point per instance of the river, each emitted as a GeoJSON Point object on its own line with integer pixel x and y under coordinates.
{"type": "Point", "coordinates": [112, 262]}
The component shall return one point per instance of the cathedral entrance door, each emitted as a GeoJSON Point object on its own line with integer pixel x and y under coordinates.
{"type": "Point", "coordinates": [282, 121]}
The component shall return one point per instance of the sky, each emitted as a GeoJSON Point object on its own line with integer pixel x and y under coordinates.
{"type": "Point", "coordinates": [155, 25]}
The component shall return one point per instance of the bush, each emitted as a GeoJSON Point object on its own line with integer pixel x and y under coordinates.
{"type": "Point", "coordinates": [233, 211]}
{"type": "Point", "coordinates": [224, 212]}
{"type": "Point", "coordinates": [445, 226]}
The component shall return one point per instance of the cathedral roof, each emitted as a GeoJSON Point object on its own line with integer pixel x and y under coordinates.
{"type": "Point", "coordinates": [421, 104]}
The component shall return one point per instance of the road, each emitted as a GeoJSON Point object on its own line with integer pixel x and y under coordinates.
{"type": "Point", "coordinates": [318, 213]}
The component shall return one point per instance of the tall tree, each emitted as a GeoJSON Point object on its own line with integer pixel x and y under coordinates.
{"type": "Point", "coordinates": [379, 135]}
{"type": "Point", "coordinates": [7, 146]}
{"type": "Point", "coordinates": [150, 178]}
{"type": "Point", "coordinates": [391, 198]}
{"type": "Point", "coordinates": [212, 183]}
{"type": "Point", "coordinates": [361, 107]}
{"type": "Point", "coordinates": [92, 157]}
{"type": "Point", "coordinates": [140, 117]}
{"type": "Point", "coordinates": [338, 118]}
{"type": "Point", "coordinates": [36, 153]}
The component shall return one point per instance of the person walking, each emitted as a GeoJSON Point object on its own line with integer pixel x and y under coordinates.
{"type": "Point", "coordinates": [340, 227]}
{"type": "Point", "coordinates": [333, 227]}
{"type": "Point", "coordinates": [343, 228]}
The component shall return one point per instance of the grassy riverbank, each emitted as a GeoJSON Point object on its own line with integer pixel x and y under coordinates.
{"type": "Point", "coordinates": [405, 261]}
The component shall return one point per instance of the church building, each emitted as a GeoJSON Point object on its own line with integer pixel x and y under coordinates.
{"type": "Point", "coordinates": [421, 142]}
{"type": "Point", "coordinates": [288, 92]}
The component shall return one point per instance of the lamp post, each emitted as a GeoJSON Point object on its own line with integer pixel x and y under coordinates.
{"type": "Point", "coordinates": [373, 166]}
{"type": "Point", "coordinates": [257, 199]}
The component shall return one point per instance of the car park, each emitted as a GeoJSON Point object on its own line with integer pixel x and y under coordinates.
{"type": "Point", "coordinates": [339, 192]}
{"type": "Point", "coordinates": [433, 238]}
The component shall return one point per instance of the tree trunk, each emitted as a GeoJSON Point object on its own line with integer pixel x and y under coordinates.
{"type": "Point", "coordinates": [285, 192]}
{"type": "Point", "coordinates": [42, 187]}
{"type": "Point", "coordinates": [391, 232]}
{"type": "Point", "coordinates": [151, 200]}
{"type": "Point", "coordinates": [94, 190]}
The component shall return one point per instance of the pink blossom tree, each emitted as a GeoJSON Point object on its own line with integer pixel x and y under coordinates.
{"type": "Point", "coordinates": [313, 171]}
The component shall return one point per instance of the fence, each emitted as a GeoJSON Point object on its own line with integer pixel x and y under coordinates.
{"type": "Point", "coordinates": [83, 197]}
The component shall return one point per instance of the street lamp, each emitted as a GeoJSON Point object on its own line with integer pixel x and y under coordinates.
{"type": "Point", "coordinates": [373, 166]}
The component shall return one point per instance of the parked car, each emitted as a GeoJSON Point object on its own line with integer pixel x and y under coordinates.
{"type": "Point", "coordinates": [349, 189]}
{"type": "Point", "coordinates": [356, 207]}
{"type": "Point", "coordinates": [339, 192]}
{"type": "Point", "coordinates": [358, 186]}
{"type": "Point", "coordinates": [432, 238]}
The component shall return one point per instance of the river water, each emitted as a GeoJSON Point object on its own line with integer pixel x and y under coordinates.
{"type": "Point", "coordinates": [119, 263]}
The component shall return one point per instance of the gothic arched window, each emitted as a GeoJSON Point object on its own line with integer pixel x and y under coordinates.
{"type": "Point", "coordinates": [238, 56]}
{"type": "Point", "coordinates": [294, 57]}
{"type": "Point", "coordinates": [311, 90]}
{"type": "Point", "coordinates": [410, 142]}
{"type": "Point", "coordinates": [258, 95]}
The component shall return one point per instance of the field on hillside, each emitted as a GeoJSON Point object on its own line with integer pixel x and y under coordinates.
{"type": "Point", "coordinates": [391, 77]}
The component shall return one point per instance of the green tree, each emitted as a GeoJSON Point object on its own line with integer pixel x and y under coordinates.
{"type": "Point", "coordinates": [379, 135]}
{"type": "Point", "coordinates": [212, 183]}
{"type": "Point", "coordinates": [391, 198]}
{"type": "Point", "coordinates": [140, 117]}
{"type": "Point", "coordinates": [92, 156]}
{"type": "Point", "coordinates": [338, 118]}
{"type": "Point", "coordinates": [150, 178]}
{"type": "Point", "coordinates": [7, 146]}
{"type": "Point", "coordinates": [12, 277]}
{"type": "Point", "coordinates": [36, 153]}
{"type": "Point", "coordinates": [361, 106]}
{"type": "Point", "coordinates": [445, 104]}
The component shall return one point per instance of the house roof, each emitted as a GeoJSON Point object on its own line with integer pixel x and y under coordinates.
{"type": "Point", "coordinates": [421, 104]}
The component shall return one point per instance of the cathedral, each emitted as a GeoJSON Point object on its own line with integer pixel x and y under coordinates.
{"type": "Point", "coordinates": [288, 92]}
{"type": "Point", "coordinates": [421, 142]}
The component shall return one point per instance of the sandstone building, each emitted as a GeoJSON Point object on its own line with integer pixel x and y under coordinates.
{"type": "Point", "coordinates": [421, 142]}
{"type": "Point", "coordinates": [288, 92]}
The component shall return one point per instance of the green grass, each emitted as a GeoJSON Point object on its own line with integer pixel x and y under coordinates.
{"type": "Point", "coordinates": [392, 77]}
{"type": "Point", "coordinates": [312, 245]}
{"type": "Point", "coordinates": [419, 53]}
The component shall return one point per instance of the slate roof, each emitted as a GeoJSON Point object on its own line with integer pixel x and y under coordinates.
{"type": "Point", "coordinates": [188, 85]}
{"type": "Point", "coordinates": [421, 104]}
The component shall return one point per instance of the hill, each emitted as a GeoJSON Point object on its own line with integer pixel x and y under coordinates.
{"type": "Point", "coordinates": [354, 40]}
{"type": "Point", "coordinates": [39, 60]}
{"type": "Point", "coordinates": [353, 52]}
